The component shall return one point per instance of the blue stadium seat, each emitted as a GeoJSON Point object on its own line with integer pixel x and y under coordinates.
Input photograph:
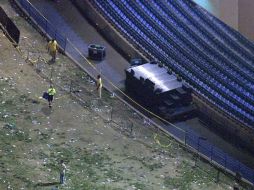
{"type": "Point", "coordinates": [164, 30]}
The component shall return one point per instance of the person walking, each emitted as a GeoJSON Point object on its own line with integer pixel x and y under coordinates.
{"type": "Point", "coordinates": [99, 85]}
{"type": "Point", "coordinates": [52, 49]}
{"type": "Point", "coordinates": [62, 172]}
{"type": "Point", "coordinates": [51, 93]}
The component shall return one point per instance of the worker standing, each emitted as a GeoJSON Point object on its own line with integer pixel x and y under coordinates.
{"type": "Point", "coordinates": [52, 49]}
{"type": "Point", "coordinates": [99, 85]}
{"type": "Point", "coordinates": [51, 93]}
{"type": "Point", "coordinates": [62, 172]}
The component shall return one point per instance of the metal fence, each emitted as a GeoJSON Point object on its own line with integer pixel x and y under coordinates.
{"type": "Point", "coordinates": [196, 143]}
{"type": "Point", "coordinates": [9, 27]}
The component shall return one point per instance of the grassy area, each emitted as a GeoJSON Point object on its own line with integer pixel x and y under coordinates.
{"type": "Point", "coordinates": [100, 155]}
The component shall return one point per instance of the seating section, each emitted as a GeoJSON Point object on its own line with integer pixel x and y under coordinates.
{"type": "Point", "coordinates": [213, 58]}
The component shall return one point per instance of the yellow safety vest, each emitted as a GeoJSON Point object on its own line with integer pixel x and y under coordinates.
{"type": "Point", "coordinates": [99, 83]}
{"type": "Point", "coordinates": [52, 45]}
{"type": "Point", "coordinates": [51, 91]}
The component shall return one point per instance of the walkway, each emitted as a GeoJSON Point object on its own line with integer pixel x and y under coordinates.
{"type": "Point", "coordinates": [71, 24]}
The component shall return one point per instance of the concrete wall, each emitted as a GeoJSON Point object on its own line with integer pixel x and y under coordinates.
{"type": "Point", "coordinates": [246, 18]}
{"type": "Point", "coordinates": [226, 10]}
{"type": "Point", "coordinates": [236, 13]}
{"type": "Point", "coordinates": [229, 12]}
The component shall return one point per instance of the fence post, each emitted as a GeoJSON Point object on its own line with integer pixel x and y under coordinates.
{"type": "Point", "coordinates": [217, 176]}
{"type": "Point", "coordinates": [131, 128]}
{"type": "Point", "coordinates": [199, 138]}
{"type": "Point", "coordinates": [46, 28]}
{"type": "Point", "coordinates": [177, 153]}
{"type": "Point", "coordinates": [65, 42]}
{"type": "Point", "coordinates": [111, 113]}
{"type": "Point", "coordinates": [238, 177]}
{"type": "Point", "coordinates": [70, 85]}
{"type": "Point", "coordinates": [195, 164]}
{"type": "Point", "coordinates": [211, 154]}
{"type": "Point", "coordinates": [225, 161]}
{"type": "Point", "coordinates": [185, 137]}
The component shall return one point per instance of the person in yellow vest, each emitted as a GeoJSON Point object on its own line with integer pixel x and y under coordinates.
{"type": "Point", "coordinates": [99, 85]}
{"type": "Point", "coordinates": [63, 169]}
{"type": "Point", "coordinates": [52, 49]}
{"type": "Point", "coordinates": [51, 93]}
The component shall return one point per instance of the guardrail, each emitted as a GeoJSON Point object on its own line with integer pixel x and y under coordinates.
{"type": "Point", "coordinates": [192, 141]}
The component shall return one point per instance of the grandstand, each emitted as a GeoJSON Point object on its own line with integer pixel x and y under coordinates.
{"type": "Point", "coordinates": [214, 59]}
